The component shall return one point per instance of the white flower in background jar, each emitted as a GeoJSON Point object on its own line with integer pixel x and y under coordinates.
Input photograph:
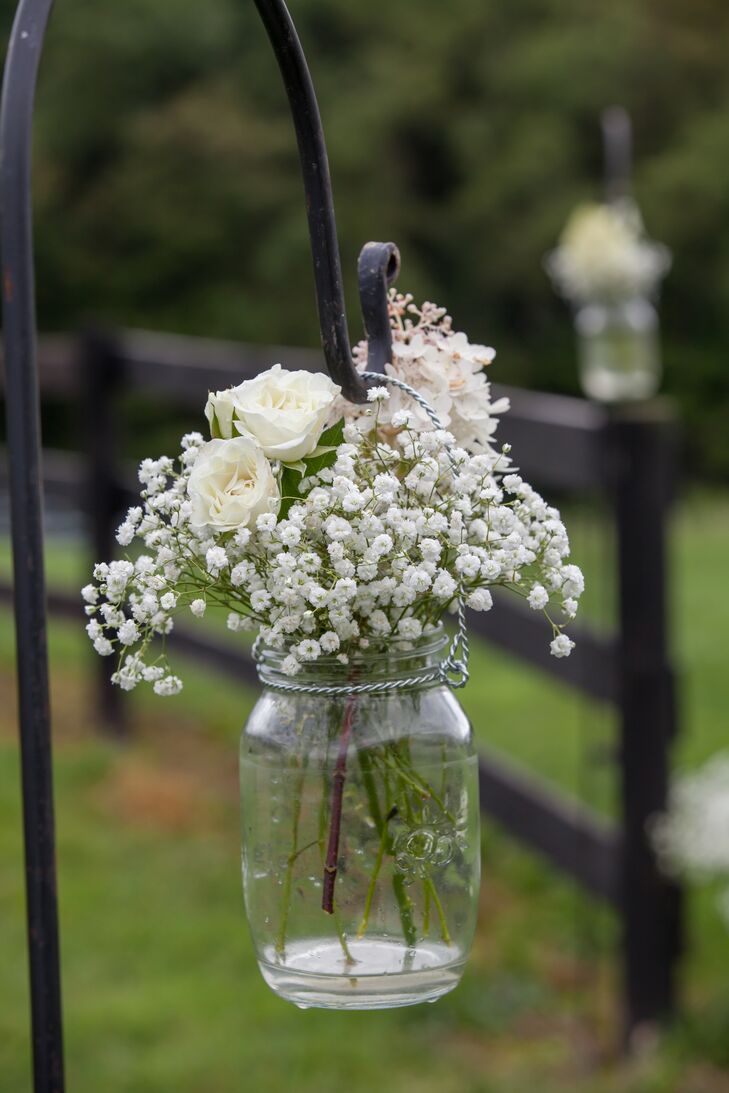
{"type": "Point", "coordinates": [608, 269]}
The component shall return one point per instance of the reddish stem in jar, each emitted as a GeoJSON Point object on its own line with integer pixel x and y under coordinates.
{"type": "Point", "coordinates": [335, 823]}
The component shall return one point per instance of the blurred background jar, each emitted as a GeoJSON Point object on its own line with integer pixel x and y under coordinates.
{"type": "Point", "coordinates": [618, 350]}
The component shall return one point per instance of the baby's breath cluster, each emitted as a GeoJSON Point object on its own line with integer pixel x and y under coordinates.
{"type": "Point", "coordinates": [370, 539]}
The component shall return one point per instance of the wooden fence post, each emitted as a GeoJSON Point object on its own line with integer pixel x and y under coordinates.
{"type": "Point", "coordinates": [102, 376]}
{"type": "Point", "coordinates": [644, 453]}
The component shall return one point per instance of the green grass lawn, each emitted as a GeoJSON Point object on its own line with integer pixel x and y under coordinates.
{"type": "Point", "coordinates": [161, 988]}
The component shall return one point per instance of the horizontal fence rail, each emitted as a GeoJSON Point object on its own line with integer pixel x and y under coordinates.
{"type": "Point", "coordinates": [591, 668]}
{"type": "Point", "coordinates": [562, 440]}
{"type": "Point", "coordinates": [585, 848]}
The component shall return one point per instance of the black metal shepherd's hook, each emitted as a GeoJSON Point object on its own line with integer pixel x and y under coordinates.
{"type": "Point", "coordinates": [379, 263]}
{"type": "Point", "coordinates": [617, 152]}
{"type": "Point", "coordinates": [378, 267]}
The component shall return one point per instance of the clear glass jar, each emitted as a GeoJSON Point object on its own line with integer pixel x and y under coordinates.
{"type": "Point", "coordinates": [360, 821]}
{"type": "Point", "coordinates": [618, 350]}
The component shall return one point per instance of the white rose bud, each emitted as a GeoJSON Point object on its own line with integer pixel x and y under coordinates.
{"type": "Point", "coordinates": [219, 410]}
{"type": "Point", "coordinates": [231, 484]}
{"type": "Point", "coordinates": [284, 411]}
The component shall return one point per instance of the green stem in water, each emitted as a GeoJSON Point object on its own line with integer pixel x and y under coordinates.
{"type": "Point", "coordinates": [342, 936]}
{"type": "Point", "coordinates": [430, 887]}
{"type": "Point", "coordinates": [418, 783]}
{"type": "Point", "coordinates": [303, 849]}
{"type": "Point", "coordinates": [426, 910]}
{"type": "Point", "coordinates": [365, 765]}
{"type": "Point", "coordinates": [384, 839]}
{"type": "Point", "coordinates": [405, 906]}
{"type": "Point", "coordinates": [410, 778]}
{"type": "Point", "coordinates": [399, 887]}
{"type": "Point", "coordinates": [291, 860]}
{"type": "Point", "coordinates": [404, 903]}
{"type": "Point", "coordinates": [443, 772]}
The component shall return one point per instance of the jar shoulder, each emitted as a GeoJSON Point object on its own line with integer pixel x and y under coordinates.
{"type": "Point", "coordinates": [287, 721]}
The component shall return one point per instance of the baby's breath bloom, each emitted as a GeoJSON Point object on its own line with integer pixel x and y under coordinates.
{"type": "Point", "coordinates": [169, 685]}
{"type": "Point", "coordinates": [329, 641]}
{"type": "Point", "coordinates": [378, 394]}
{"type": "Point", "coordinates": [309, 649]}
{"type": "Point", "coordinates": [538, 597]}
{"type": "Point", "coordinates": [561, 646]}
{"type": "Point", "coordinates": [409, 628]}
{"type": "Point", "coordinates": [128, 632]}
{"type": "Point", "coordinates": [480, 600]}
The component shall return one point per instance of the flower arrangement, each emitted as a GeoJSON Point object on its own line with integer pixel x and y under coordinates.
{"type": "Point", "coordinates": [343, 535]}
{"type": "Point", "coordinates": [330, 528]}
{"type": "Point", "coordinates": [692, 837]}
{"type": "Point", "coordinates": [605, 255]}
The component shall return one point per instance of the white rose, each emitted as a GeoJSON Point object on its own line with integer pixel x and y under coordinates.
{"type": "Point", "coordinates": [231, 484]}
{"type": "Point", "coordinates": [284, 411]}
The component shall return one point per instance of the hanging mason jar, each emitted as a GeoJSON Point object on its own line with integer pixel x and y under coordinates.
{"type": "Point", "coordinates": [618, 350]}
{"type": "Point", "coordinates": [360, 825]}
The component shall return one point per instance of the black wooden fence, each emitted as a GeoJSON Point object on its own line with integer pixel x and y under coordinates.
{"type": "Point", "coordinates": [626, 456]}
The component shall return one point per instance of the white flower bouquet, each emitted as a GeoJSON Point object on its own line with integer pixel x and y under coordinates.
{"type": "Point", "coordinates": [692, 837]}
{"type": "Point", "coordinates": [343, 535]}
{"type": "Point", "coordinates": [604, 255]}
{"type": "Point", "coordinates": [330, 528]}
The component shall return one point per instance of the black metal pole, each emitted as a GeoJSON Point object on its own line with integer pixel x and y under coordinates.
{"type": "Point", "coordinates": [617, 139]}
{"type": "Point", "coordinates": [322, 226]}
{"type": "Point", "coordinates": [23, 417]}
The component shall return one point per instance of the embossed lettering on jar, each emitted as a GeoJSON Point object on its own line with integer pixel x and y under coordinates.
{"type": "Point", "coordinates": [361, 855]}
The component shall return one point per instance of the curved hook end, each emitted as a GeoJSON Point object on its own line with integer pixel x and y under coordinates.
{"type": "Point", "coordinates": [377, 268]}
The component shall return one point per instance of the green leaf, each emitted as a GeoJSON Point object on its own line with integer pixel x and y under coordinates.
{"type": "Point", "coordinates": [299, 466]}
{"type": "Point", "coordinates": [334, 435]}
{"type": "Point", "coordinates": [290, 478]}
{"type": "Point", "coordinates": [325, 453]}
{"type": "Point", "coordinates": [320, 449]}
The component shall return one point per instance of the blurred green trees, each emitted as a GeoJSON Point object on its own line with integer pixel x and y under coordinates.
{"type": "Point", "coordinates": [168, 192]}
